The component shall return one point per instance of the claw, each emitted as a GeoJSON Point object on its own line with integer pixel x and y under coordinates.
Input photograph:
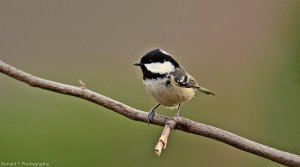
{"type": "Point", "coordinates": [151, 114]}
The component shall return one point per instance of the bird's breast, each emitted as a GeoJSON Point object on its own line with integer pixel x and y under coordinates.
{"type": "Point", "coordinates": [168, 93]}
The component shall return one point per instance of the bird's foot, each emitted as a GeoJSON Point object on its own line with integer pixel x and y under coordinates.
{"type": "Point", "coordinates": [176, 117]}
{"type": "Point", "coordinates": [150, 116]}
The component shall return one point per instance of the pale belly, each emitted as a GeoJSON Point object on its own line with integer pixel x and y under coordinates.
{"type": "Point", "coordinates": [169, 96]}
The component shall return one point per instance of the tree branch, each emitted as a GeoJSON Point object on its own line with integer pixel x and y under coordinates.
{"type": "Point", "coordinates": [183, 124]}
{"type": "Point", "coordinates": [163, 140]}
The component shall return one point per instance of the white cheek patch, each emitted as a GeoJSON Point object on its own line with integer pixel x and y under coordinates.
{"type": "Point", "coordinates": [161, 68]}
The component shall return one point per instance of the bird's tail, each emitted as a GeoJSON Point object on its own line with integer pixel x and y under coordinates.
{"type": "Point", "coordinates": [206, 91]}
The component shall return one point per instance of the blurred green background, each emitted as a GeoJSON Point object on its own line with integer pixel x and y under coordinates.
{"type": "Point", "coordinates": [247, 52]}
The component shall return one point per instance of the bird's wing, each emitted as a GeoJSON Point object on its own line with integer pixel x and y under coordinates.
{"type": "Point", "coordinates": [183, 79]}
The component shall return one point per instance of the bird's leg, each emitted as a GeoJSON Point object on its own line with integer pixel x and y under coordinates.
{"type": "Point", "coordinates": [178, 109]}
{"type": "Point", "coordinates": [152, 113]}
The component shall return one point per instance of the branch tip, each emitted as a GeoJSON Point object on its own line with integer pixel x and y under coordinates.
{"type": "Point", "coordinates": [163, 140]}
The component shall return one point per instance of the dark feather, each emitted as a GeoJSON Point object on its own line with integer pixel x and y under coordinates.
{"type": "Point", "coordinates": [183, 79]}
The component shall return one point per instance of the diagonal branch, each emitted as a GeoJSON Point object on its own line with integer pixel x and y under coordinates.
{"type": "Point", "coordinates": [183, 124]}
{"type": "Point", "coordinates": [162, 142]}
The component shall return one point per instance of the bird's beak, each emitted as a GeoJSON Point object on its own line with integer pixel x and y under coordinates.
{"type": "Point", "coordinates": [137, 64]}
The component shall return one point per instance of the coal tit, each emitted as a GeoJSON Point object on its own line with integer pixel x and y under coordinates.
{"type": "Point", "coordinates": [167, 81]}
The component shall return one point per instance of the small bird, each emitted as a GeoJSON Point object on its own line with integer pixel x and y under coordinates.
{"type": "Point", "coordinates": [167, 81]}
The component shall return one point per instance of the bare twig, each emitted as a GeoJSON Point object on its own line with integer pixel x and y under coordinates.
{"type": "Point", "coordinates": [183, 124]}
{"type": "Point", "coordinates": [163, 140]}
{"type": "Point", "coordinates": [82, 85]}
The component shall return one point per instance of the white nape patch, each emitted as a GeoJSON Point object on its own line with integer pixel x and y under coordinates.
{"type": "Point", "coordinates": [164, 52]}
{"type": "Point", "coordinates": [161, 68]}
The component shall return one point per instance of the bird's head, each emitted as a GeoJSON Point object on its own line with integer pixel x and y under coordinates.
{"type": "Point", "coordinates": [157, 63]}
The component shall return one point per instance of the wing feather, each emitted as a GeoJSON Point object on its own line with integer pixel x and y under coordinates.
{"type": "Point", "coordinates": [183, 79]}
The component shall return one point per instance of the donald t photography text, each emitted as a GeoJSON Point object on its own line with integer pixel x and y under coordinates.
{"type": "Point", "coordinates": [24, 164]}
